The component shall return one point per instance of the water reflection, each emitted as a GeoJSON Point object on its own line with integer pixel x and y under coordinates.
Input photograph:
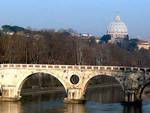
{"type": "Point", "coordinates": [53, 103]}
{"type": "Point", "coordinates": [132, 109]}
{"type": "Point", "coordinates": [75, 108]}
{"type": "Point", "coordinates": [10, 107]}
{"type": "Point", "coordinates": [58, 107]}
{"type": "Point", "coordinates": [105, 94]}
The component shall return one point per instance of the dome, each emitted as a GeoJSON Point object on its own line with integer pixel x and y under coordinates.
{"type": "Point", "coordinates": [117, 29]}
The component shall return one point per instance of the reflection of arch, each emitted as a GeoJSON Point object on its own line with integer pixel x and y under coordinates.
{"type": "Point", "coordinates": [23, 80]}
{"type": "Point", "coordinates": [142, 89]}
{"type": "Point", "coordinates": [90, 78]}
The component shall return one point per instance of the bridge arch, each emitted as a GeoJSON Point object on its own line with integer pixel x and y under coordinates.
{"type": "Point", "coordinates": [93, 76]}
{"type": "Point", "coordinates": [25, 77]}
{"type": "Point", "coordinates": [142, 89]}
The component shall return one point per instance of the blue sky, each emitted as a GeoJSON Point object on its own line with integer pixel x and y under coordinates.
{"type": "Point", "coordinates": [91, 16]}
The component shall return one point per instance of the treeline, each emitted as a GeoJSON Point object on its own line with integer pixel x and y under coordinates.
{"type": "Point", "coordinates": [8, 28]}
{"type": "Point", "coordinates": [50, 47]}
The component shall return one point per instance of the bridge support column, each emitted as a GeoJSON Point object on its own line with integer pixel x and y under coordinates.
{"type": "Point", "coordinates": [131, 98]}
{"type": "Point", "coordinates": [74, 96]}
{"type": "Point", "coordinates": [8, 93]}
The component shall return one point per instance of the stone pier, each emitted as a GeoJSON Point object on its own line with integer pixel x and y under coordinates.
{"type": "Point", "coordinates": [8, 93]}
{"type": "Point", "coordinates": [74, 96]}
{"type": "Point", "coordinates": [131, 97]}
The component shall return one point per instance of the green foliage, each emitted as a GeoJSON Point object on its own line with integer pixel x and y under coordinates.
{"type": "Point", "coordinates": [133, 44]}
{"type": "Point", "coordinates": [1, 33]}
{"type": "Point", "coordinates": [92, 41]}
{"type": "Point", "coordinates": [8, 28]}
{"type": "Point", "coordinates": [105, 38]}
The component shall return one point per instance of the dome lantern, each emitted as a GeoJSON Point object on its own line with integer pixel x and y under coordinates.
{"type": "Point", "coordinates": [117, 19]}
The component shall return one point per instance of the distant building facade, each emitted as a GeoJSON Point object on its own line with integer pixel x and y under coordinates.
{"type": "Point", "coordinates": [117, 30]}
{"type": "Point", "coordinates": [97, 39]}
{"type": "Point", "coordinates": [144, 45]}
{"type": "Point", "coordinates": [87, 35]}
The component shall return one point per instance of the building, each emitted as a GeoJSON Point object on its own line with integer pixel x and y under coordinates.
{"type": "Point", "coordinates": [97, 39]}
{"type": "Point", "coordinates": [117, 30]}
{"type": "Point", "coordinates": [144, 45]}
{"type": "Point", "coordinates": [9, 33]}
{"type": "Point", "coordinates": [87, 35]}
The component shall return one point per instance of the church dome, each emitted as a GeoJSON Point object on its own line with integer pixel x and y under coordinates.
{"type": "Point", "coordinates": [117, 29]}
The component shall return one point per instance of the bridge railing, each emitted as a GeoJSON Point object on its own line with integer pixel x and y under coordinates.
{"type": "Point", "coordinates": [81, 67]}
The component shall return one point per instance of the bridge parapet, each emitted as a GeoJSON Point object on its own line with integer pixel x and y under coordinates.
{"type": "Point", "coordinates": [72, 67]}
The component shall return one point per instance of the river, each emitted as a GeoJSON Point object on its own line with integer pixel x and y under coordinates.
{"type": "Point", "coordinates": [99, 100]}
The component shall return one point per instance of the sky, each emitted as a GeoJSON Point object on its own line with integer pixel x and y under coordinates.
{"type": "Point", "coordinates": [84, 16]}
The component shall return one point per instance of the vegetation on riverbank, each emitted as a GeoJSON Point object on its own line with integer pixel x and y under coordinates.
{"type": "Point", "coordinates": [62, 47]}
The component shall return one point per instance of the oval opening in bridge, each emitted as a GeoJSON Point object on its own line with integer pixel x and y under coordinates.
{"type": "Point", "coordinates": [74, 79]}
{"type": "Point", "coordinates": [104, 89]}
{"type": "Point", "coordinates": [42, 86]}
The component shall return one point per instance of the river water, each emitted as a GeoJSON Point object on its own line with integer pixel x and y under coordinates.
{"type": "Point", "coordinates": [99, 100]}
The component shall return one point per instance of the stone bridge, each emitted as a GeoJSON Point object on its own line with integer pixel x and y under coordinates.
{"type": "Point", "coordinates": [74, 78]}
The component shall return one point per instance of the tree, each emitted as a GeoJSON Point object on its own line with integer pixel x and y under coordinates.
{"type": "Point", "coordinates": [8, 28]}
{"type": "Point", "coordinates": [50, 47]}
{"type": "Point", "coordinates": [133, 44]}
{"type": "Point", "coordinates": [105, 39]}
